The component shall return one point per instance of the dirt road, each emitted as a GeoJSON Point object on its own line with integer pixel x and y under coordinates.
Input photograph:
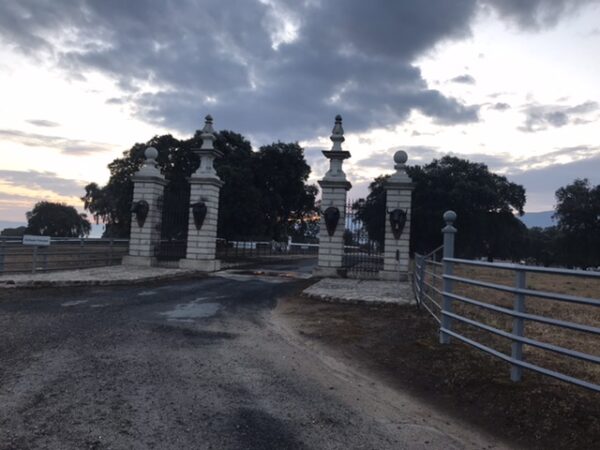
{"type": "Point", "coordinates": [192, 364]}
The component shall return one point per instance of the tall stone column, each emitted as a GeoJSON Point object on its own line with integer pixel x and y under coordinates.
{"type": "Point", "coordinates": [398, 190]}
{"type": "Point", "coordinates": [334, 187]}
{"type": "Point", "coordinates": [205, 187]}
{"type": "Point", "coordinates": [146, 210]}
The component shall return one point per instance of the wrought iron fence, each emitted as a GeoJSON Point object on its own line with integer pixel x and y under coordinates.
{"type": "Point", "coordinates": [61, 254]}
{"type": "Point", "coordinates": [435, 285]}
{"type": "Point", "coordinates": [174, 221]}
{"type": "Point", "coordinates": [363, 256]}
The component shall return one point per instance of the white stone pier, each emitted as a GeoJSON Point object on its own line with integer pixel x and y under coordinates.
{"type": "Point", "coordinates": [146, 215]}
{"type": "Point", "coordinates": [334, 187]}
{"type": "Point", "coordinates": [397, 222]}
{"type": "Point", "coordinates": [205, 186]}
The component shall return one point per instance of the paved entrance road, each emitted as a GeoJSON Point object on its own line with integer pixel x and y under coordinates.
{"type": "Point", "coordinates": [192, 364]}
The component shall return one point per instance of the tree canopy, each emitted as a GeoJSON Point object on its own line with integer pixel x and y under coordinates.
{"type": "Point", "coordinates": [578, 223]}
{"type": "Point", "coordinates": [13, 232]}
{"type": "Point", "coordinates": [265, 192]}
{"type": "Point", "coordinates": [56, 220]}
{"type": "Point", "coordinates": [484, 202]}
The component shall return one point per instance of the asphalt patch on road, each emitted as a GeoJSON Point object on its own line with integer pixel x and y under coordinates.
{"type": "Point", "coordinates": [257, 429]}
{"type": "Point", "coordinates": [195, 334]}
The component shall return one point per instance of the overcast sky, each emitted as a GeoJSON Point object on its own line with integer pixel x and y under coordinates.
{"type": "Point", "coordinates": [512, 83]}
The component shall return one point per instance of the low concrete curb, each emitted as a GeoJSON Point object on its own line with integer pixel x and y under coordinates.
{"type": "Point", "coordinates": [372, 292]}
{"type": "Point", "coordinates": [115, 276]}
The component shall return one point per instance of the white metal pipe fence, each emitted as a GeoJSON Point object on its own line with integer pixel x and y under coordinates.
{"type": "Point", "coordinates": [434, 283]}
{"type": "Point", "coordinates": [61, 254]}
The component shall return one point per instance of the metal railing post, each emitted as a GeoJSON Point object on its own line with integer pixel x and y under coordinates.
{"type": "Point", "coordinates": [449, 231]}
{"type": "Point", "coordinates": [45, 259]}
{"type": "Point", "coordinates": [2, 244]}
{"type": "Point", "coordinates": [518, 327]}
{"type": "Point", "coordinates": [81, 250]}
{"type": "Point", "coordinates": [421, 277]}
{"type": "Point", "coordinates": [111, 252]}
{"type": "Point", "coordinates": [34, 259]}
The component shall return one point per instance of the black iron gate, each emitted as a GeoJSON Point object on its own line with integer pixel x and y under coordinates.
{"type": "Point", "coordinates": [363, 255]}
{"type": "Point", "coordinates": [174, 224]}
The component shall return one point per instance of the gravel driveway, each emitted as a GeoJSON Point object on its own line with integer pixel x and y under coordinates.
{"type": "Point", "coordinates": [190, 364]}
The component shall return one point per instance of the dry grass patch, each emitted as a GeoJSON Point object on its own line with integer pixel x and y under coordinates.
{"type": "Point", "coordinates": [571, 312]}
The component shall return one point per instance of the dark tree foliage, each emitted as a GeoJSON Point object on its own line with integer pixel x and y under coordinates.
{"type": "Point", "coordinates": [239, 202]}
{"type": "Point", "coordinates": [281, 173]}
{"type": "Point", "coordinates": [542, 246]}
{"type": "Point", "coordinates": [578, 217]}
{"type": "Point", "coordinates": [263, 194]}
{"type": "Point", "coordinates": [56, 220]}
{"type": "Point", "coordinates": [484, 202]}
{"type": "Point", "coordinates": [13, 232]}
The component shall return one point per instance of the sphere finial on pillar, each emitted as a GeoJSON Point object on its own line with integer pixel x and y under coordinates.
{"type": "Point", "coordinates": [337, 135]}
{"type": "Point", "coordinates": [449, 217]}
{"type": "Point", "coordinates": [400, 158]}
{"type": "Point", "coordinates": [151, 154]}
{"type": "Point", "coordinates": [149, 168]}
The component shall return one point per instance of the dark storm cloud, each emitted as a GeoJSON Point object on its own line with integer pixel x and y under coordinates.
{"type": "Point", "coordinates": [42, 180]}
{"type": "Point", "coordinates": [347, 57]}
{"type": "Point", "coordinates": [536, 14]}
{"type": "Point", "coordinates": [541, 117]}
{"type": "Point", "coordinates": [43, 123]}
{"type": "Point", "coordinates": [463, 79]}
{"type": "Point", "coordinates": [65, 145]}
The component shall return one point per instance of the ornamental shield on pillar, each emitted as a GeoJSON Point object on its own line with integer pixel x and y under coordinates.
{"type": "Point", "coordinates": [199, 210]}
{"type": "Point", "coordinates": [140, 209]}
{"type": "Point", "coordinates": [332, 217]}
{"type": "Point", "coordinates": [397, 222]}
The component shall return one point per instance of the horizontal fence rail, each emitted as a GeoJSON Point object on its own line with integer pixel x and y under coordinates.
{"type": "Point", "coordinates": [247, 250]}
{"type": "Point", "coordinates": [61, 254]}
{"type": "Point", "coordinates": [425, 289]}
{"type": "Point", "coordinates": [435, 284]}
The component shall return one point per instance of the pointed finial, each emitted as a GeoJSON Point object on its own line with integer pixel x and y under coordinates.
{"type": "Point", "coordinates": [208, 124]}
{"type": "Point", "coordinates": [207, 134]}
{"type": "Point", "coordinates": [337, 134]}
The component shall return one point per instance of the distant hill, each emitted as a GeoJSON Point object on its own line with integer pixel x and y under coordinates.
{"type": "Point", "coordinates": [541, 219]}
{"type": "Point", "coordinates": [11, 224]}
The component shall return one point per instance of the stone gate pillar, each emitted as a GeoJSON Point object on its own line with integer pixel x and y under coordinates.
{"type": "Point", "coordinates": [398, 190]}
{"type": "Point", "coordinates": [146, 212]}
{"type": "Point", "coordinates": [205, 187]}
{"type": "Point", "coordinates": [334, 187]}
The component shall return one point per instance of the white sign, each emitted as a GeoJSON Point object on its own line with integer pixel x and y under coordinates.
{"type": "Point", "coordinates": [40, 241]}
